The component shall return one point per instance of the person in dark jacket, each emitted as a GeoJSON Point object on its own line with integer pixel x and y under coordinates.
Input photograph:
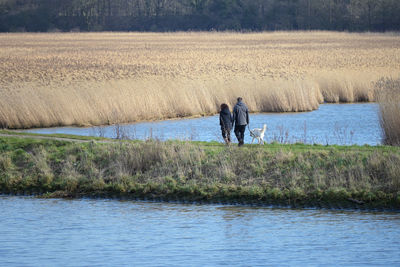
{"type": "Point", "coordinates": [226, 122]}
{"type": "Point", "coordinates": [240, 119]}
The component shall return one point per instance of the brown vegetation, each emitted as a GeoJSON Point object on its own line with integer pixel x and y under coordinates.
{"type": "Point", "coordinates": [104, 78]}
{"type": "Point", "coordinates": [389, 104]}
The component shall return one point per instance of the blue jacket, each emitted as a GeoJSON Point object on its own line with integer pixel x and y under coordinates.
{"type": "Point", "coordinates": [240, 114]}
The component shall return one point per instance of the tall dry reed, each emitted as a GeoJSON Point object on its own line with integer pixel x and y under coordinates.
{"type": "Point", "coordinates": [106, 78]}
{"type": "Point", "coordinates": [389, 105]}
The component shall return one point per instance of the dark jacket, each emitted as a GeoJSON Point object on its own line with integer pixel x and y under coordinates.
{"type": "Point", "coordinates": [225, 119]}
{"type": "Point", "coordinates": [240, 114]}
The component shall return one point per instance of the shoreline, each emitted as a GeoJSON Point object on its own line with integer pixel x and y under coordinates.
{"type": "Point", "coordinates": [345, 204]}
{"type": "Point", "coordinates": [295, 176]}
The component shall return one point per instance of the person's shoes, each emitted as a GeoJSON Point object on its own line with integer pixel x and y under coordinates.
{"type": "Point", "coordinates": [241, 143]}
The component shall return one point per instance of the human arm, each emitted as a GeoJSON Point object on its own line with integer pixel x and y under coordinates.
{"type": "Point", "coordinates": [234, 115]}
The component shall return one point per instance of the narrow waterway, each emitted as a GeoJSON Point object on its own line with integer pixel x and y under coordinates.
{"type": "Point", "coordinates": [343, 124]}
{"type": "Point", "coordinates": [55, 232]}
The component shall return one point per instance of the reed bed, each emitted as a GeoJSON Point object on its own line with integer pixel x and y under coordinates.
{"type": "Point", "coordinates": [389, 105]}
{"type": "Point", "coordinates": [81, 79]}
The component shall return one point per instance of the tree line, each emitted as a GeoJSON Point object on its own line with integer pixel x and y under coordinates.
{"type": "Point", "coordinates": [199, 15]}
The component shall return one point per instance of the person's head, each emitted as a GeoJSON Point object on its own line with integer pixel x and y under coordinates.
{"type": "Point", "coordinates": [224, 106]}
{"type": "Point", "coordinates": [239, 99]}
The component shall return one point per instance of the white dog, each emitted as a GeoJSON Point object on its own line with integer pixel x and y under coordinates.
{"type": "Point", "coordinates": [258, 134]}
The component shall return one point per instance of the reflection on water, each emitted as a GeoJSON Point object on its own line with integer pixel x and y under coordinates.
{"type": "Point", "coordinates": [342, 124]}
{"type": "Point", "coordinates": [38, 232]}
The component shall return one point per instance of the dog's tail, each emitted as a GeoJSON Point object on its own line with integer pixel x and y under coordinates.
{"type": "Point", "coordinates": [264, 128]}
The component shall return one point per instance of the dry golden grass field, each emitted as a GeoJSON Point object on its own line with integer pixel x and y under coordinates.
{"type": "Point", "coordinates": [102, 78]}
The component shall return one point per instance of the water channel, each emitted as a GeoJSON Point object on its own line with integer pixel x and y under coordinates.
{"type": "Point", "coordinates": [84, 232]}
{"type": "Point", "coordinates": [56, 232]}
{"type": "Point", "coordinates": [343, 124]}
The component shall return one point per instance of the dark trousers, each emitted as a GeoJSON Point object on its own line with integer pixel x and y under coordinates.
{"type": "Point", "coordinates": [226, 134]}
{"type": "Point", "coordinates": [239, 132]}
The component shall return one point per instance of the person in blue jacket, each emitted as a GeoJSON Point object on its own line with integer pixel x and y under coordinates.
{"type": "Point", "coordinates": [240, 119]}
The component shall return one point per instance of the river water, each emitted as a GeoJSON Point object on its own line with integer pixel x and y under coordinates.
{"type": "Point", "coordinates": [56, 232]}
{"type": "Point", "coordinates": [343, 124]}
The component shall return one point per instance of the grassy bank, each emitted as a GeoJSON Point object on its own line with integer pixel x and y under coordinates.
{"type": "Point", "coordinates": [291, 175]}
{"type": "Point", "coordinates": [58, 79]}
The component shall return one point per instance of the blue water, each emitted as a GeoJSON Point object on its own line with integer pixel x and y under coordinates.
{"type": "Point", "coordinates": [342, 124]}
{"type": "Point", "coordinates": [38, 232]}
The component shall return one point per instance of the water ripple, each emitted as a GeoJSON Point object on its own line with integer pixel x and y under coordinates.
{"type": "Point", "coordinates": [36, 232]}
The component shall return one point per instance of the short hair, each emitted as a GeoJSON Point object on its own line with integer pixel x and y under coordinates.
{"type": "Point", "coordinates": [239, 99]}
{"type": "Point", "coordinates": [224, 106]}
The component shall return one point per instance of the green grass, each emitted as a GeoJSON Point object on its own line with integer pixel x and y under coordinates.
{"type": "Point", "coordinates": [290, 175]}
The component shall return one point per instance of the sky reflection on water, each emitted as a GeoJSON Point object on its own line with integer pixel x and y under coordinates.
{"type": "Point", "coordinates": [55, 232]}
{"type": "Point", "coordinates": [342, 124]}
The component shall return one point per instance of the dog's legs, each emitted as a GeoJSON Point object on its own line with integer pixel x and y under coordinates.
{"type": "Point", "coordinates": [252, 140]}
